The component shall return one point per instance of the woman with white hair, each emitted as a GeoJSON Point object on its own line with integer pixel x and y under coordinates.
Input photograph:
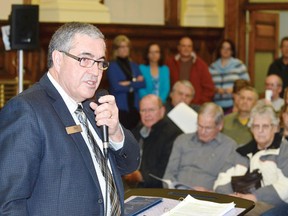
{"type": "Point", "coordinates": [268, 153]}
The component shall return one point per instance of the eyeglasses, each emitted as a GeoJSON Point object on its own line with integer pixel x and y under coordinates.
{"type": "Point", "coordinates": [151, 110]}
{"type": "Point", "coordinates": [183, 94]}
{"type": "Point", "coordinates": [272, 85]}
{"type": "Point", "coordinates": [87, 62]}
{"type": "Point", "coordinates": [206, 128]}
{"type": "Point", "coordinates": [264, 127]}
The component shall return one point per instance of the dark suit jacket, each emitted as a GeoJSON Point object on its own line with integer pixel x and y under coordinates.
{"type": "Point", "coordinates": [156, 150]}
{"type": "Point", "coordinates": [44, 170]}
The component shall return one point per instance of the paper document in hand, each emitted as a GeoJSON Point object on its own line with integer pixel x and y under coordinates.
{"type": "Point", "coordinates": [184, 117]}
{"type": "Point", "coordinates": [170, 184]}
{"type": "Point", "coordinates": [194, 207]}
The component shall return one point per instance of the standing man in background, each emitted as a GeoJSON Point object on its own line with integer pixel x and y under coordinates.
{"type": "Point", "coordinates": [280, 65]}
{"type": "Point", "coordinates": [51, 138]}
{"type": "Point", "coordinates": [186, 65]}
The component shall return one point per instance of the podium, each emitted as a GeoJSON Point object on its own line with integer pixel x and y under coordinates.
{"type": "Point", "coordinates": [247, 205]}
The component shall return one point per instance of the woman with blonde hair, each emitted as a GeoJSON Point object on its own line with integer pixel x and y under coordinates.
{"type": "Point", "coordinates": [125, 80]}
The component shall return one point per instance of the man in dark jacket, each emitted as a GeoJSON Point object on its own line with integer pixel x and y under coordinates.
{"type": "Point", "coordinates": [280, 65]}
{"type": "Point", "coordinates": [156, 135]}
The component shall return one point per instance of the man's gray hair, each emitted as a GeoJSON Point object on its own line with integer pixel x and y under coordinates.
{"type": "Point", "coordinates": [264, 110]}
{"type": "Point", "coordinates": [62, 39]}
{"type": "Point", "coordinates": [186, 83]}
{"type": "Point", "coordinates": [210, 108]}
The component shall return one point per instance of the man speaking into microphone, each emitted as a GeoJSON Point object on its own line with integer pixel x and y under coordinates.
{"type": "Point", "coordinates": [51, 149]}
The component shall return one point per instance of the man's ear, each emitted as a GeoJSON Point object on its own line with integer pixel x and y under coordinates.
{"type": "Point", "coordinates": [220, 125]}
{"type": "Point", "coordinates": [57, 58]}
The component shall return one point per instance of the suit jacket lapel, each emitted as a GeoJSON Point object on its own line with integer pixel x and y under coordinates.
{"type": "Point", "coordinates": [67, 119]}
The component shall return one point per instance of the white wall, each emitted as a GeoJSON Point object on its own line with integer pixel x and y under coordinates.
{"type": "Point", "coordinates": [283, 26]}
{"type": "Point", "coordinates": [208, 13]}
{"type": "Point", "coordinates": [192, 13]}
{"type": "Point", "coordinates": [136, 11]}
{"type": "Point", "coordinates": [5, 8]}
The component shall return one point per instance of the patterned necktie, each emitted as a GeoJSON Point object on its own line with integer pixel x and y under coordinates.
{"type": "Point", "coordinates": [114, 199]}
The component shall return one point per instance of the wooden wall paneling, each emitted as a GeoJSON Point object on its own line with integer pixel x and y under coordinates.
{"type": "Point", "coordinates": [241, 45]}
{"type": "Point", "coordinates": [235, 25]}
{"type": "Point", "coordinates": [172, 12]}
{"type": "Point", "coordinates": [266, 6]}
{"type": "Point", "coordinates": [263, 37]}
{"type": "Point", "coordinates": [205, 41]}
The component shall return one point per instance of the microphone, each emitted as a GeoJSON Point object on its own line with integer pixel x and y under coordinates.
{"type": "Point", "coordinates": [99, 94]}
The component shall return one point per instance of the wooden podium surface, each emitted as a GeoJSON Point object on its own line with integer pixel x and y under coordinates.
{"type": "Point", "coordinates": [178, 194]}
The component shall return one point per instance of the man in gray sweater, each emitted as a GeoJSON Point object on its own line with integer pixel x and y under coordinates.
{"type": "Point", "coordinates": [197, 158]}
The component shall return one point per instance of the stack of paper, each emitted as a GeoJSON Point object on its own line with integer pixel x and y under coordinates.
{"type": "Point", "coordinates": [184, 117]}
{"type": "Point", "coordinates": [193, 207]}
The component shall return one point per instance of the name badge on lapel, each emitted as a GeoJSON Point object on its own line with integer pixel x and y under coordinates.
{"type": "Point", "coordinates": [73, 129]}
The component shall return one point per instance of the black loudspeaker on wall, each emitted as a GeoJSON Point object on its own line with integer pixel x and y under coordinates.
{"type": "Point", "coordinates": [24, 30]}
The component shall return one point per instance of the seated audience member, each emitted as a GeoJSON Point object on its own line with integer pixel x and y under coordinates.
{"type": "Point", "coordinates": [284, 122]}
{"type": "Point", "coordinates": [267, 153]}
{"type": "Point", "coordinates": [235, 124]}
{"type": "Point", "coordinates": [156, 135]}
{"type": "Point", "coordinates": [186, 65]}
{"type": "Point", "coordinates": [197, 158]}
{"type": "Point", "coordinates": [237, 86]}
{"type": "Point", "coordinates": [125, 80]}
{"type": "Point", "coordinates": [274, 83]}
{"type": "Point", "coordinates": [182, 91]}
{"type": "Point", "coordinates": [155, 73]}
{"type": "Point", "coordinates": [225, 70]}
{"type": "Point", "coordinates": [285, 97]}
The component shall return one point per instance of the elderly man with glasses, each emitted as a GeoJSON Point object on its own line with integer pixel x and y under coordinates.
{"type": "Point", "coordinates": [156, 134]}
{"type": "Point", "coordinates": [197, 158]}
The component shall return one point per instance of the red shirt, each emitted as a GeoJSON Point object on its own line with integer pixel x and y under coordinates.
{"type": "Point", "coordinates": [200, 78]}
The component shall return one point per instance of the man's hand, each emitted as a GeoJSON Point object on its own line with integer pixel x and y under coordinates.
{"type": "Point", "coordinates": [124, 83]}
{"type": "Point", "coordinates": [199, 188]}
{"type": "Point", "coordinates": [107, 114]}
{"type": "Point", "coordinates": [140, 78]}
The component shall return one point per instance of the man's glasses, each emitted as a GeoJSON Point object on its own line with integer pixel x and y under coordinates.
{"type": "Point", "coordinates": [150, 110]}
{"type": "Point", "coordinates": [264, 127]}
{"type": "Point", "coordinates": [87, 62]}
{"type": "Point", "coordinates": [207, 128]}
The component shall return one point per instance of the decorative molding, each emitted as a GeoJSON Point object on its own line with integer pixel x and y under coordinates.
{"type": "Point", "coordinates": [209, 13]}
{"type": "Point", "coordinates": [266, 6]}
